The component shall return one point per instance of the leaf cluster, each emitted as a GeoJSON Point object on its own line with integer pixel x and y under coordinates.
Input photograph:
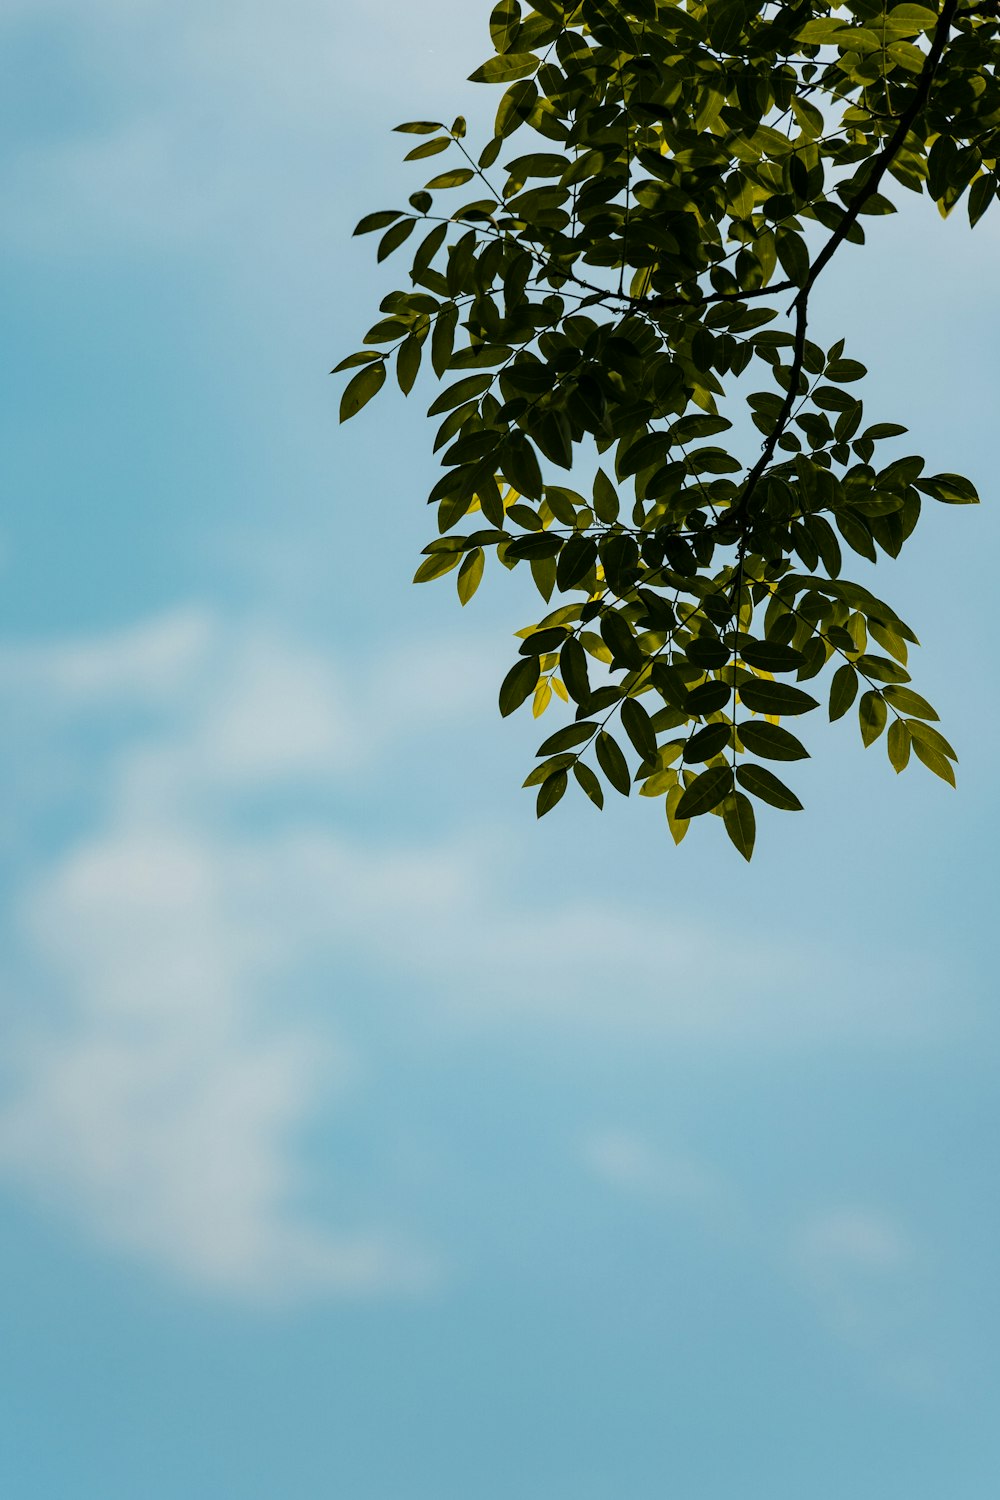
{"type": "Point", "coordinates": [611, 290]}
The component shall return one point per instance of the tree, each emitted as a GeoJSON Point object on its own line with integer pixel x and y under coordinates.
{"type": "Point", "coordinates": [699, 167]}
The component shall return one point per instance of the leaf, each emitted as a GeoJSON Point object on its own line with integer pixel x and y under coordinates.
{"type": "Point", "coordinates": [573, 670]}
{"type": "Point", "coordinates": [458, 177]}
{"type": "Point", "coordinates": [678, 826]}
{"type": "Point", "coordinates": [932, 738]}
{"type": "Point", "coordinates": [443, 338]}
{"type": "Point", "coordinates": [639, 728]}
{"type": "Point", "coordinates": [705, 792]}
{"type": "Point", "coordinates": [589, 782]}
{"type": "Point", "coordinates": [550, 792]}
{"type": "Point", "coordinates": [845, 370]}
{"type": "Point", "coordinates": [359, 391]}
{"type": "Point", "coordinates": [505, 67]}
{"type": "Point", "coordinates": [503, 23]}
{"type": "Point", "coordinates": [950, 489]}
{"type": "Point", "coordinates": [770, 656]}
{"type": "Point", "coordinates": [363, 357]}
{"type": "Point", "coordinates": [436, 566]}
{"type": "Point", "coordinates": [899, 745]}
{"type": "Point", "coordinates": [470, 575]}
{"type": "Point", "coordinates": [428, 148]}
{"type": "Point", "coordinates": [707, 743]}
{"type": "Point", "coordinates": [408, 363]}
{"type": "Point", "coordinates": [775, 698]}
{"type": "Point", "coordinates": [843, 691]}
{"type": "Point", "coordinates": [605, 498]}
{"type": "Point", "coordinates": [613, 763]}
{"type": "Point", "coordinates": [709, 697]}
{"type": "Point", "coordinates": [548, 768]}
{"type": "Point", "coordinates": [567, 737]}
{"type": "Point", "coordinates": [380, 220]}
{"type": "Point", "coordinates": [872, 714]}
{"type": "Point", "coordinates": [518, 684]}
{"type": "Point", "coordinates": [771, 741]}
{"type": "Point", "coordinates": [794, 257]}
{"type": "Point", "coordinates": [934, 760]}
{"type": "Point", "coordinates": [906, 701]}
{"type": "Point", "coordinates": [741, 825]}
{"type": "Point", "coordinates": [463, 390]}
{"type": "Point", "coordinates": [542, 698]}
{"type": "Point", "coordinates": [394, 237]}
{"type": "Point", "coordinates": [519, 465]}
{"type": "Point", "coordinates": [763, 784]}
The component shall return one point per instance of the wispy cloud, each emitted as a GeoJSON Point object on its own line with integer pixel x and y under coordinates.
{"type": "Point", "coordinates": [168, 945]}
{"type": "Point", "coordinates": [210, 110]}
{"type": "Point", "coordinates": [857, 1265]}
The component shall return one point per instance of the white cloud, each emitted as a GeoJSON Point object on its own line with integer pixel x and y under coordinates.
{"type": "Point", "coordinates": [862, 1271]}
{"type": "Point", "coordinates": [163, 1107]}
{"type": "Point", "coordinates": [627, 1161]}
{"type": "Point", "coordinates": [844, 1241]}
{"type": "Point", "coordinates": [211, 111]}
{"type": "Point", "coordinates": [153, 659]}
{"type": "Point", "coordinates": [162, 1098]}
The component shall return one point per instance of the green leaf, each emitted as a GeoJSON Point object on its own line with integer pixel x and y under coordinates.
{"type": "Point", "coordinates": [906, 701]}
{"type": "Point", "coordinates": [881, 669]}
{"type": "Point", "coordinates": [463, 390]}
{"type": "Point", "coordinates": [950, 489]}
{"type": "Point", "coordinates": [504, 21]}
{"type": "Point", "coordinates": [443, 338]}
{"type": "Point", "coordinates": [775, 698]}
{"type": "Point", "coordinates": [428, 148]}
{"type": "Point", "coordinates": [470, 574]}
{"type": "Point", "coordinates": [932, 738]}
{"type": "Point", "coordinates": [505, 67]}
{"type": "Point", "coordinates": [899, 745]}
{"type": "Point", "coordinates": [519, 466]}
{"type": "Point", "coordinates": [843, 691]}
{"type": "Point", "coordinates": [548, 768]}
{"type": "Point", "coordinates": [456, 178]}
{"type": "Point", "coordinates": [419, 127]}
{"type": "Point", "coordinates": [763, 784]}
{"type": "Point", "coordinates": [436, 566]}
{"type": "Point", "coordinates": [709, 697]}
{"type": "Point", "coordinates": [380, 220]}
{"type": "Point", "coordinates": [770, 656]}
{"type": "Point", "coordinates": [550, 792]}
{"type": "Point", "coordinates": [872, 714]}
{"type": "Point", "coordinates": [589, 782]}
{"type": "Point", "coordinates": [705, 792]}
{"type": "Point", "coordinates": [707, 743]}
{"type": "Point", "coordinates": [794, 257]}
{"type": "Point", "coordinates": [605, 499]}
{"type": "Point", "coordinates": [567, 737]}
{"type": "Point", "coordinates": [741, 825]}
{"type": "Point", "coordinates": [367, 382]}
{"type": "Point", "coordinates": [639, 728]}
{"type": "Point", "coordinates": [678, 826]}
{"type": "Point", "coordinates": [933, 760]}
{"type": "Point", "coordinates": [363, 357]}
{"type": "Point", "coordinates": [613, 763]}
{"type": "Point", "coordinates": [394, 237]}
{"type": "Point", "coordinates": [771, 741]}
{"type": "Point", "coordinates": [573, 670]}
{"type": "Point", "coordinates": [518, 684]}
{"type": "Point", "coordinates": [845, 370]}
{"type": "Point", "coordinates": [408, 363]}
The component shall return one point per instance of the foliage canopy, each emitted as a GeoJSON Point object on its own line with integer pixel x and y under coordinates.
{"type": "Point", "coordinates": [683, 172]}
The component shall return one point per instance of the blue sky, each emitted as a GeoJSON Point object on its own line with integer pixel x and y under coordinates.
{"type": "Point", "coordinates": [358, 1135]}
